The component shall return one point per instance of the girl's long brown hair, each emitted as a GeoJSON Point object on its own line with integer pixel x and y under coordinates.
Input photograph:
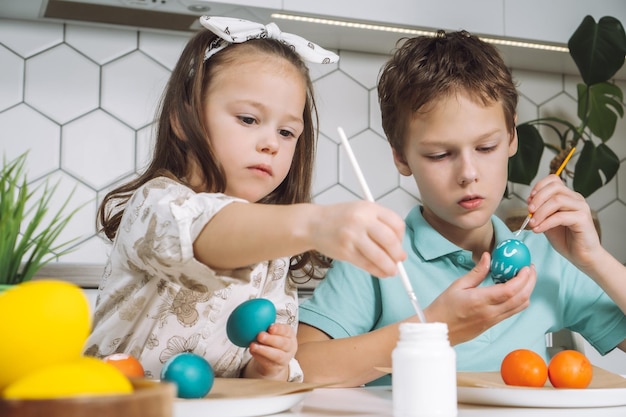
{"type": "Point", "coordinates": [181, 136]}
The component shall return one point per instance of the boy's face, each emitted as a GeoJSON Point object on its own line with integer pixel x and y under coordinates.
{"type": "Point", "coordinates": [458, 153]}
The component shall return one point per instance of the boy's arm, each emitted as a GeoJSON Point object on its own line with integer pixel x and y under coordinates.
{"type": "Point", "coordinates": [565, 218]}
{"type": "Point", "coordinates": [351, 361]}
{"type": "Point", "coordinates": [610, 275]}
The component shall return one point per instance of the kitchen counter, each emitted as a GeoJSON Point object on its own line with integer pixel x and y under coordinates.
{"type": "Point", "coordinates": [377, 401]}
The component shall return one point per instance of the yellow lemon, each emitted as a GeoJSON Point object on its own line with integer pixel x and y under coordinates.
{"type": "Point", "coordinates": [84, 376]}
{"type": "Point", "coordinates": [43, 322]}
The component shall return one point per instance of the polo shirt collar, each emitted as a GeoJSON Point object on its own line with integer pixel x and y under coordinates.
{"type": "Point", "coordinates": [429, 244]}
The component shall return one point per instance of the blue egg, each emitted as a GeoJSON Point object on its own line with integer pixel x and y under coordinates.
{"type": "Point", "coordinates": [192, 374]}
{"type": "Point", "coordinates": [249, 319]}
{"type": "Point", "coordinates": [507, 259]}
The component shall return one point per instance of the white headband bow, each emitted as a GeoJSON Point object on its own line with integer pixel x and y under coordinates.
{"type": "Point", "coordinates": [231, 30]}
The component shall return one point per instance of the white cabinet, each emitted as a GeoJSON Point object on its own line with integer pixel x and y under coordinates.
{"type": "Point", "coordinates": [552, 21]}
{"type": "Point", "coordinates": [555, 20]}
{"type": "Point", "coordinates": [484, 16]}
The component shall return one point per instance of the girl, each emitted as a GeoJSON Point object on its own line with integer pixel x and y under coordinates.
{"type": "Point", "coordinates": [223, 214]}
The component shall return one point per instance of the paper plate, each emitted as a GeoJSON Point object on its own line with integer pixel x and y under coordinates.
{"type": "Point", "coordinates": [237, 407]}
{"type": "Point", "coordinates": [545, 398]}
{"type": "Point", "coordinates": [239, 397]}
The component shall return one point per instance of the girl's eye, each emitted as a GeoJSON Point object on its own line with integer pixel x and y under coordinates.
{"type": "Point", "coordinates": [286, 133]}
{"type": "Point", "coordinates": [247, 120]}
{"type": "Point", "coordinates": [486, 149]}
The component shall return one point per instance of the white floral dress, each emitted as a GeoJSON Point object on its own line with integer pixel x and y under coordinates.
{"type": "Point", "coordinates": [156, 300]}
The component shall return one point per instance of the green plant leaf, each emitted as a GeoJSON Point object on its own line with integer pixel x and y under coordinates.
{"type": "Point", "coordinates": [598, 49]}
{"type": "Point", "coordinates": [599, 111]}
{"type": "Point", "coordinates": [27, 236]}
{"type": "Point", "coordinates": [523, 166]}
{"type": "Point", "coordinates": [593, 160]}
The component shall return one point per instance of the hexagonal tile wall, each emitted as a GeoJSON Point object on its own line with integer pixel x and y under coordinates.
{"type": "Point", "coordinates": [11, 78]}
{"type": "Point", "coordinates": [62, 84]}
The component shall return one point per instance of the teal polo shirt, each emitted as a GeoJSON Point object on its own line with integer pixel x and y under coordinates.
{"type": "Point", "coordinates": [349, 301]}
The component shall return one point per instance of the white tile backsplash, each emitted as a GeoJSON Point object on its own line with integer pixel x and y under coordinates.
{"type": "Point", "coordinates": [22, 129]}
{"type": "Point", "coordinates": [11, 78]}
{"type": "Point", "coordinates": [62, 83]}
{"type": "Point", "coordinates": [114, 141]}
{"type": "Point", "coordinates": [163, 48]}
{"type": "Point", "coordinates": [373, 152]}
{"type": "Point", "coordinates": [101, 45]}
{"type": "Point", "coordinates": [131, 88]}
{"type": "Point", "coordinates": [28, 38]}
{"type": "Point", "coordinates": [341, 101]}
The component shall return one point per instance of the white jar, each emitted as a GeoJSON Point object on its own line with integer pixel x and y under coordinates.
{"type": "Point", "coordinates": [424, 372]}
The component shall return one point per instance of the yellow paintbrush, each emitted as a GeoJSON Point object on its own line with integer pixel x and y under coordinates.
{"type": "Point", "coordinates": [557, 173]}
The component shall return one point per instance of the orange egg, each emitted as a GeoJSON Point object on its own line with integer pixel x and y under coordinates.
{"type": "Point", "coordinates": [127, 364]}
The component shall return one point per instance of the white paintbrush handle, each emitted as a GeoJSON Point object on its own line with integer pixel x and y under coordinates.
{"type": "Point", "coordinates": [369, 197]}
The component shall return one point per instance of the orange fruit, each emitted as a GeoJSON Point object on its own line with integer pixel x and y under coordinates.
{"type": "Point", "coordinates": [525, 368]}
{"type": "Point", "coordinates": [127, 364]}
{"type": "Point", "coordinates": [570, 369]}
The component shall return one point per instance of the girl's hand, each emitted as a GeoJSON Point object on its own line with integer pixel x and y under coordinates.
{"type": "Point", "coordinates": [363, 233]}
{"type": "Point", "coordinates": [476, 309]}
{"type": "Point", "coordinates": [272, 353]}
{"type": "Point", "coordinates": [564, 217]}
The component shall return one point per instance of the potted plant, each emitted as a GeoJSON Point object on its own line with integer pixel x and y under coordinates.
{"type": "Point", "coordinates": [27, 237]}
{"type": "Point", "coordinates": [598, 49]}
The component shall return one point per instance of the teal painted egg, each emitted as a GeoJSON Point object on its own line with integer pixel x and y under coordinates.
{"type": "Point", "coordinates": [192, 374]}
{"type": "Point", "coordinates": [249, 319]}
{"type": "Point", "coordinates": [507, 259]}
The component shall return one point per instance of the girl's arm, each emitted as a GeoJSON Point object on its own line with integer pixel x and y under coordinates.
{"type": "Point", "coordinates": [363, 233]}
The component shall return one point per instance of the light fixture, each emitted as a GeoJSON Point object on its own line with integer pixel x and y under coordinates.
{"type": "Point", "coordinates": [414, 32]}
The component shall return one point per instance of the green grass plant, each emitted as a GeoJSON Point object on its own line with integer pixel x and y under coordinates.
{"type": "Point", "coordinates": [27, 238]}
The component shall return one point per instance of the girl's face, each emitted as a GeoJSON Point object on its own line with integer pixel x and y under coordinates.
{"type": "Point", "coordinates": [253, 113]}
{"type": "Point", "coordinates": [458, 153]}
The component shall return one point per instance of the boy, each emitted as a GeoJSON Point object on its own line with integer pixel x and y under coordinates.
{"type": "Point", "coordinates": [448, 111]}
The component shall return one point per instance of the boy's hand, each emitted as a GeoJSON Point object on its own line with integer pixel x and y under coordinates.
{"type": "Point", "coordinates": [564, 217]}
{"type": "Point", "coordinates": [272, 353]}
{"type": "Point", "coordinates": [476, 309]}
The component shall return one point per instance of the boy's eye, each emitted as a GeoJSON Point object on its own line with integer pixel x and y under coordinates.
{"type": "Point", "coordinates": [486, 149]}
{"type": "Point", "coordinates": [437, 157]}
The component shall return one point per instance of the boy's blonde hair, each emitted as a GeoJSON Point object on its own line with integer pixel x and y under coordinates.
{"type": "Point", "coordinates": [425, 69]}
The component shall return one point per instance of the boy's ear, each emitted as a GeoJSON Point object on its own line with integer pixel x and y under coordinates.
{"type": "Point", "coordinates": [401, 165]}
{"type": "Point", "coordinates": [513, 143]}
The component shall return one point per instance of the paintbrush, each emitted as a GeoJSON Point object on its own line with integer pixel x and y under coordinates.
{"type": "Point", "coordinates": [369, 197]}
{"type": "Point", "coordinates": [557, 173]}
